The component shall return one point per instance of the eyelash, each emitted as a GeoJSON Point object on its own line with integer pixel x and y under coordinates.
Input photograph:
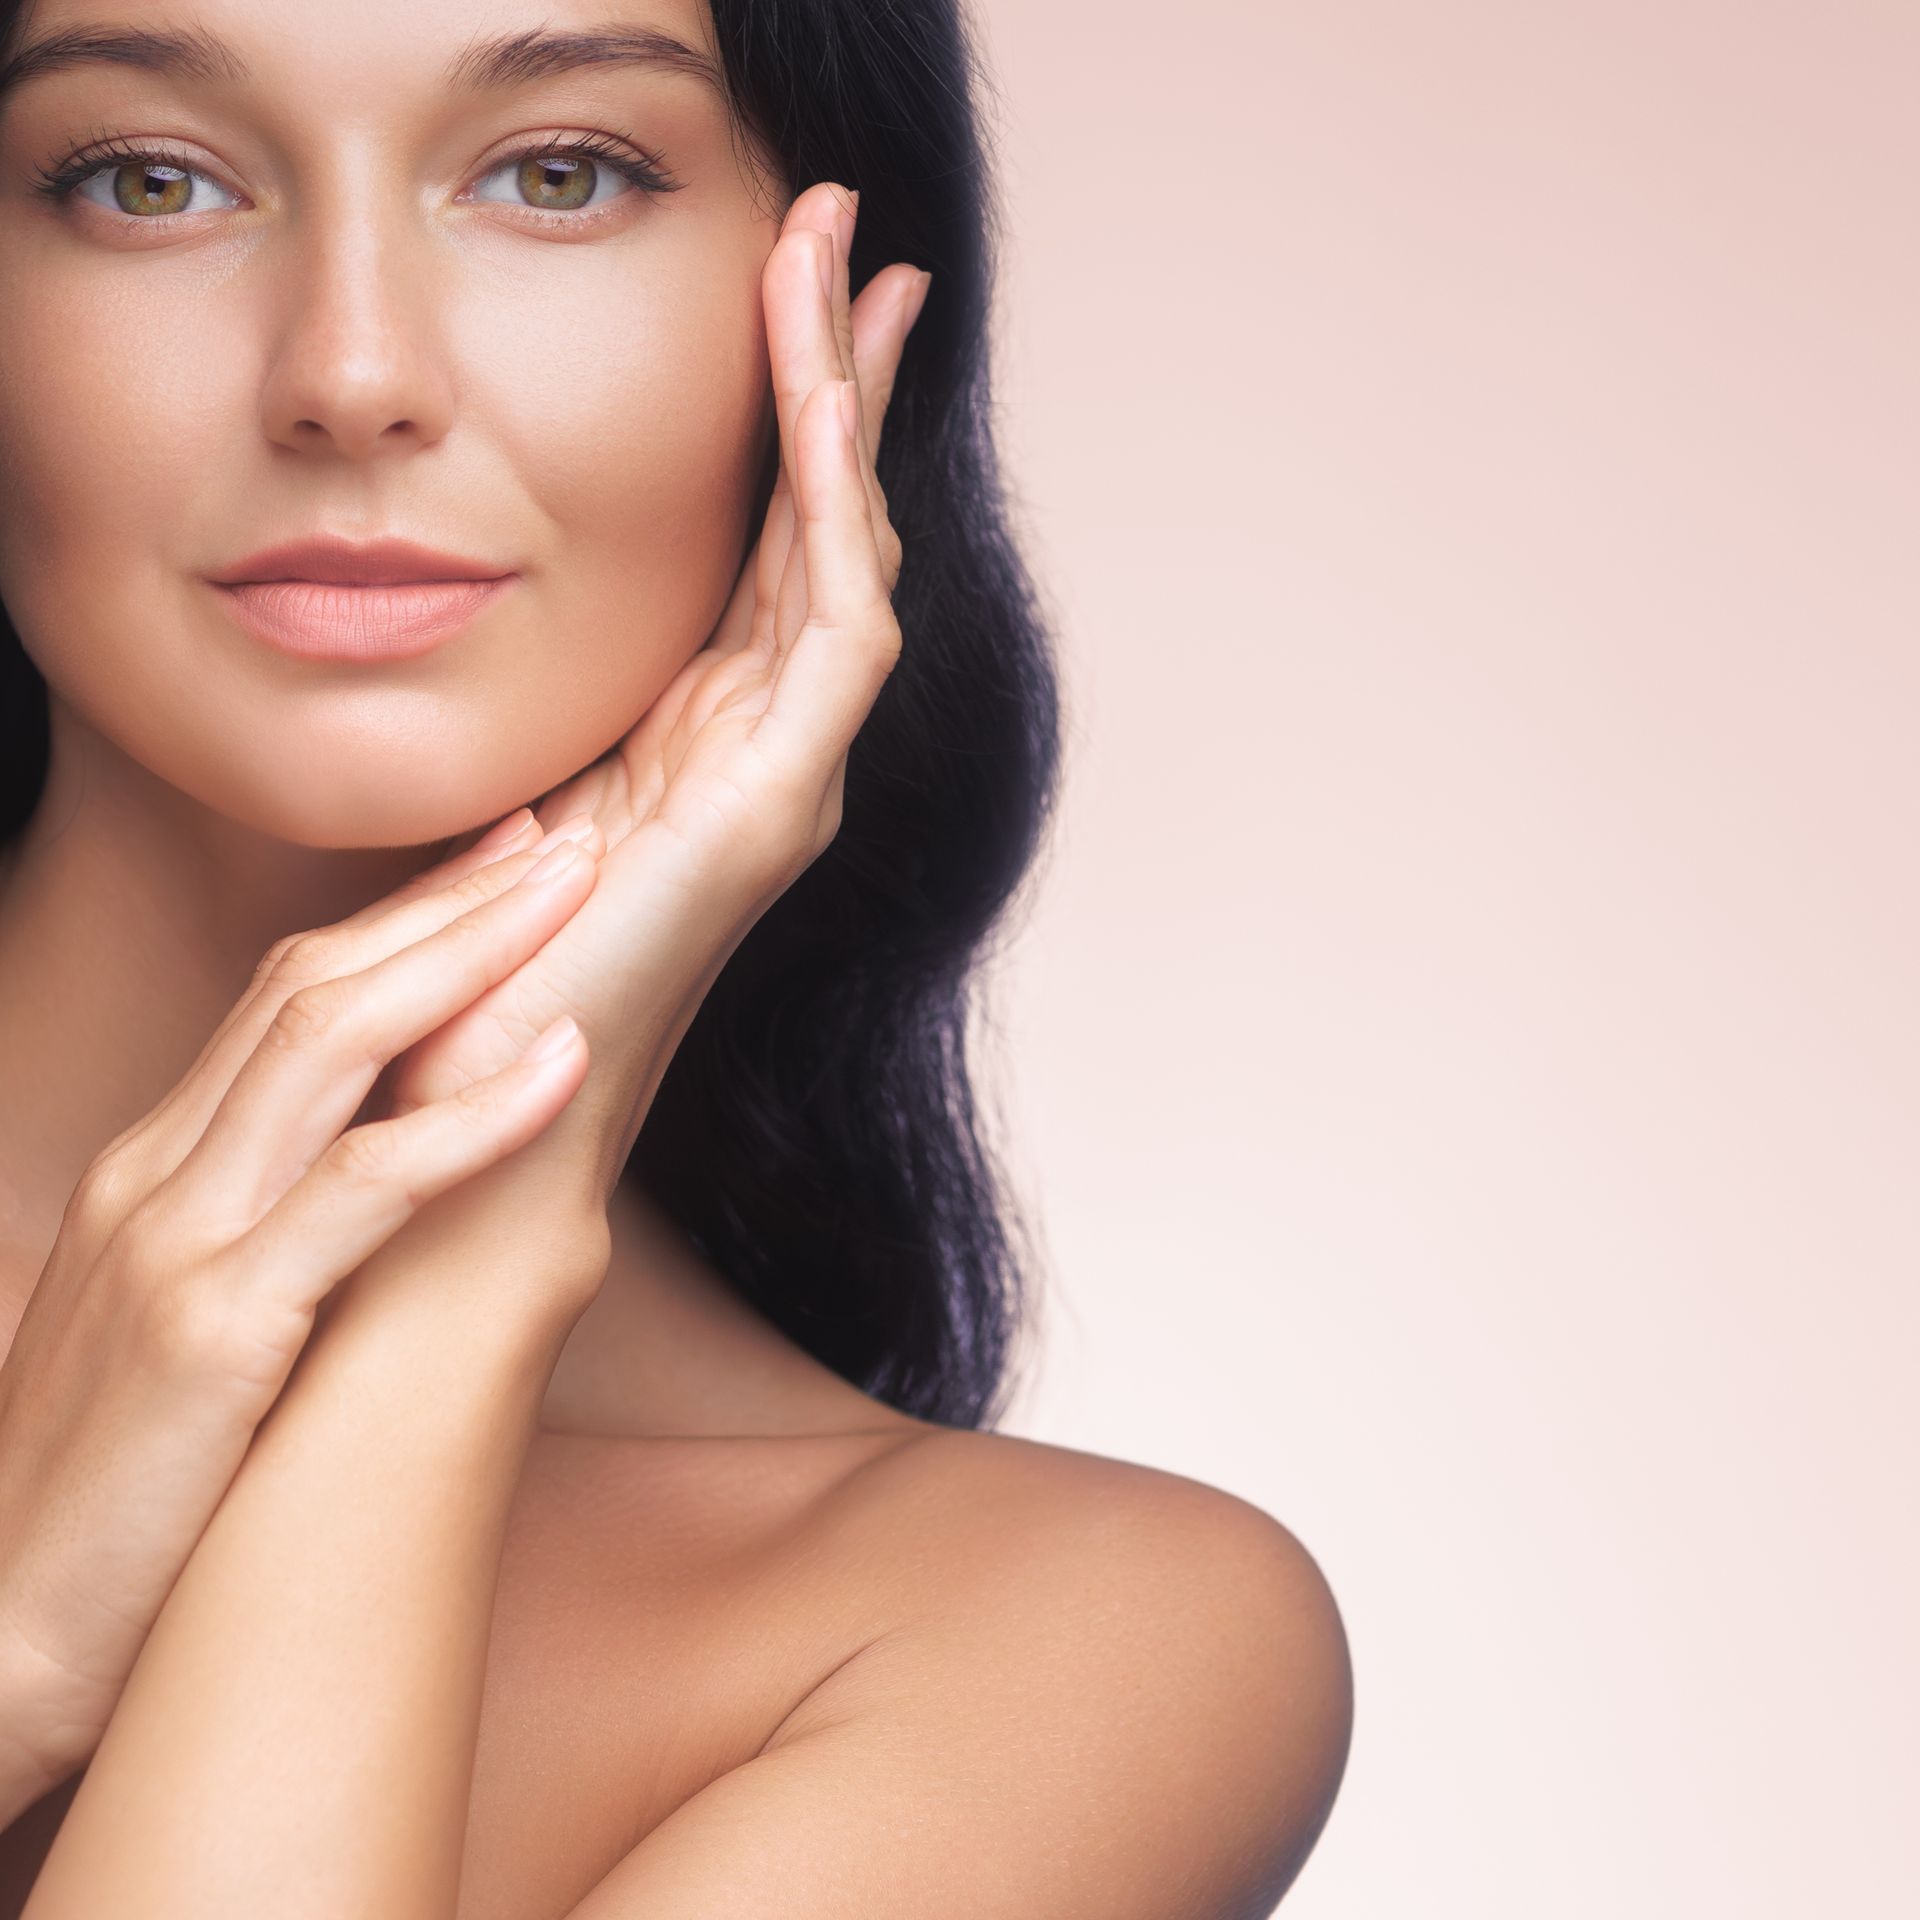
{"type": "Point", "coordinates": [632, 164]}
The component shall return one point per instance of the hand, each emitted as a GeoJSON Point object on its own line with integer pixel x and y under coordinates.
{"type": "Point", "coordinates": [730, 785]}
{"type": "Point", "coordinates": [192, 1257]}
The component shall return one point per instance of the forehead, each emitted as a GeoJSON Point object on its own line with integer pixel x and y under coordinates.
{"type": "Point", "coordinates": [321, 46]}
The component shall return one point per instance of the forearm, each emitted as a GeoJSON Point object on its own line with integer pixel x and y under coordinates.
{"type": "Point", "coordinates": [297, 1736]}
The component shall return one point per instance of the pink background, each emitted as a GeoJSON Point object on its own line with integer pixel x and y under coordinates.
{"type": "Point", "coordinates": [1463, 1051]}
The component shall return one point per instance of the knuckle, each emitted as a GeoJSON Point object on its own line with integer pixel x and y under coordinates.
{"type": "Point", "coordinates": [107, 1191]}
{"type": "Point", "coordinates": [302, 958]}
{"type": "Point", "coordinates": [304, 1019]}
{"type": "Point", "coordinates": [480, 1102]}
{"type": "Point", "coordinates": [476, 888]}
{"type": "Point", "coordinates": [886, 642]}
{"type": "Point", "coordinates": [469, 931]}
{"type": "Point", "coordinates": [275, 955]}
{"type": "Point", "coordinates": [366, 1156]}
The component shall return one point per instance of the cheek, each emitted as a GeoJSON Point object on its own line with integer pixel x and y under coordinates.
{"type": "Point", "coordinates": [119, 420]}
{"type": "Point", "coordinates": [634, 434]}
{"type": "Point", "coordinates": [606, 434]}
{"type": "Point", "coordinates": [112, 414]}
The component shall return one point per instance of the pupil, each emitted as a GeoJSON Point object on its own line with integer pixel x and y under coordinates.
{"type": "Point", "coordinates": [556, 181]}
{"type": "Point", "coordinates": [142, 187]}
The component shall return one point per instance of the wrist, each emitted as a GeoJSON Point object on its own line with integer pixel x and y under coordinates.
{"type": "Point", "coordinates": [485, 1297]}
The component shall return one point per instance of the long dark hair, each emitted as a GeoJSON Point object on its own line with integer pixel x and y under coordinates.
{"type": "Point", "coordinates": [817, 1135]}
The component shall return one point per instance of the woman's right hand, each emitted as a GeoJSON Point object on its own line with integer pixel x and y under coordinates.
{"type": "Point", "coordinates": [198, 1246]}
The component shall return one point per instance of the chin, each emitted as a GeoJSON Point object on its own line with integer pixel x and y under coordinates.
{"type": "Point", "coordinates": [361, 796]}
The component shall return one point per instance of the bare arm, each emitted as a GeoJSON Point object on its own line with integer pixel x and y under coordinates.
{"type": "Point", "coordinates": [194, 1257]}
{"type": "Point", "coordinates": [1126, 1697]}
{"type": "Point", "coordinates": [297, 1736]}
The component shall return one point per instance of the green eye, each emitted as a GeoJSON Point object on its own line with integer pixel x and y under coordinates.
{"type": "Point", "coordinates": [568, 176]}
{"type": "Point", "coordinates": [555, 183]}
{"type": "Point", "coordinates": [148, 185]}
{"type": "Point", "coordinates": [580, 174]}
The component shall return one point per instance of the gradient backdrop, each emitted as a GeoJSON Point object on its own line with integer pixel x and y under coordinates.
{"type": "Point", "coordinates": [1463, 1051]}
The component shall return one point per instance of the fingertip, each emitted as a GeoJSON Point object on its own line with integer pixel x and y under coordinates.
{"type": "Point", "coordinates": [553, 1043]}
{"type": "Point", "coordinates": [914, 300]}
{"type": "Point", "coordinates": [506, 832]}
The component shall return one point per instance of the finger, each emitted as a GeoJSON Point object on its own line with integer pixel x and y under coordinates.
{"type": "Point", "coordinates": [850, 640]}
{"type": "Point", "coordinates": [865, 349]}
{"type": "Point", "coordinates": [748, 618]}
{"type": "Point", "coordinates": [327, 1041]}
{"type": "Point", "coordinates": [846, 209]}
{"type": "Point", "coordinates": [770, 563]}
{"type": "Point", "coordinates": [388, 924]}
{"type": "Point", "coordinates": [883, 349]}
{"type": "Point", "coordinates": [809, 324]}
{"type": "Point", "coordinates": [899, 319]}
{"type": "Point", "coordinates": [882, 320]}
{"type": "Point", "coordinates": [168, 1132]}
{"type": "Point", "coordinates": [519, 830]}
{"type": "Point", "coordinates": [768, 604]}
{"type": "Point", "coordinates": [373, 1179]}
{"type": "Point", "coordinates": [524, 837]}
{"type": "Point", "coordinates": [797, 285]}
{"type": "Point", "coordinates": [790, 600]}
{"type": "Point", "coordinates": [883, 316]}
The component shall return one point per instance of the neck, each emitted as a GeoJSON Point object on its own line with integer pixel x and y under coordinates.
{"type": "Point", "coordinates": [131, 920]}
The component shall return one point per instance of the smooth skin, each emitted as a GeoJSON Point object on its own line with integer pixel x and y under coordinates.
{"type": "Point", "coordinates": [507, 1566]}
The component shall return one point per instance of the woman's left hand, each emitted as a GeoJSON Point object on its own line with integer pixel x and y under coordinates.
{"type": "Point", "coordinates": [730, 785]}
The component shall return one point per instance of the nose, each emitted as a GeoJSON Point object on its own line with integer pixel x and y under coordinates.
{"type": "Point", "coordinates": [358, 366]}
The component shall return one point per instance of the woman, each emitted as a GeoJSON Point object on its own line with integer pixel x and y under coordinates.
{"type": "Point", "coordinates": [441, 1476]}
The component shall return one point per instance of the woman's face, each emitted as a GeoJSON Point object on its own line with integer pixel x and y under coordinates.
{"type": "Point", "coordinates": [344, 305]}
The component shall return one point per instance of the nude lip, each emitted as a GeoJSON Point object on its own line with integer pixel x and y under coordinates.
{"type": "Point", "coordinates": [332, 620]}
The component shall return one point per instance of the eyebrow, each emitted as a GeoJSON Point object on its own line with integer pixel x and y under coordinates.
{"type": "Point", "coordinates": [507, 60]}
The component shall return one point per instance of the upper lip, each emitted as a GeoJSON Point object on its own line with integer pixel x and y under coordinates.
{"type": "Point", "coordinates": [367, 563]}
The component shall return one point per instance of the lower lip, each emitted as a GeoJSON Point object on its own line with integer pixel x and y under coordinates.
{"type": "Point", "coordinates": [322, 620]}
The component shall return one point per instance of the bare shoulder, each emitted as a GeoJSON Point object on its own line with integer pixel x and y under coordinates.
{"type": "Point", "coordinates": [1010, 1513]}
{"type": "Point", "coordinates": [1142, 1663]}
{"type": "Point", "coordinates": [1003, 1677]}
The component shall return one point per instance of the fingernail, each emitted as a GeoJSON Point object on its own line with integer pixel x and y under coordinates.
{"type": "Point", "coordinates": [552, 866]}
{"type": "Point", "coordinates": [843, 219]}
{"type": "Point", "coordinates": [579, 827]}
{"type": "Point", "coordinates": [916, 299]}
{"type": "Point", "coordinates": [506, 832]}
{"type": "Point", "coordinates": [823, 251]}
{"type": "Point", "coordinates": [554, 1040]}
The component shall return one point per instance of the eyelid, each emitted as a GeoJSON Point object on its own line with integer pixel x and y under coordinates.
{"type": "Point", "coordinates": [106, 168]}
{"type": "Point", "coordinates": [642, 170]}
{"type": "Point", "coordinates": [94, 156]}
